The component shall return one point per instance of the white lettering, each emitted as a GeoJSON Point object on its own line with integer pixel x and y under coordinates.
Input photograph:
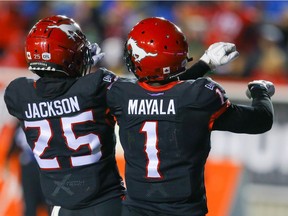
{"type": "Point", "coordinates": [36, 113]}
{"type": "Point", "coordinates": [162, 112]}
{"type": "Point", "coordinates": [148, 105]}
{"type": "Point", "coordinates": [74, 104]}
{"type": "Point", "coordinates": [46, 109]}
{"type": "Point", "coordinates": [28, 113]}
{"type": "Point", "coordinates": [50, 109]}
{"type": "Point", "coordinates": [59, 109]}
{"type": "Point", "coordinates": [66, 106]}
{"type": "Point", "coordinates": [151, 107]}
{"type": "Point", "coordinates": [132, 107]}
{"type": "Point", "coordinates": [171, 108]}
{"type": "Point", "coordinates": [154, 109]}
{"type": "Point", "coordinates": [43, 112]}
{"type": "Point", "coordinates": [142, 108]}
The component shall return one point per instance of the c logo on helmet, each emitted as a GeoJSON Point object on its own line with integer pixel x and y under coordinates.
{"type": "Point", "coordinates": [69, 30]}
{"type": "Point", "coordinates": [137, 52]}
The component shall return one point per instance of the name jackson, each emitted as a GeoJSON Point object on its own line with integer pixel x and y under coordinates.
{"type": "Point", "coordinates": [52, 108]}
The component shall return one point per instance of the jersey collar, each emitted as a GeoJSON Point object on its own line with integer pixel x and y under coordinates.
{"type": "Point", "coordinates": [158, 88]}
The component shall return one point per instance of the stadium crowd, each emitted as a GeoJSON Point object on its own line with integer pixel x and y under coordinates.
{"type": "Point", "coordinates": [258, 28]}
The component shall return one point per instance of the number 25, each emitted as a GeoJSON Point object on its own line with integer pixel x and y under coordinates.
{"type": "Point", "coordinates": [45, 135]}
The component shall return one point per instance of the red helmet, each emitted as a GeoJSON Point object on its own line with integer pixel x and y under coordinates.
{"type": "Point", "coordinates": [57, 44]}
{"type": "Point", "coordinates": [156, 50]}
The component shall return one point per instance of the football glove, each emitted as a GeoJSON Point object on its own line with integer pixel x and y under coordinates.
{"type": "Point", "coordinates": [260, 84]}
{"type": "Point", "coordinates": [96, 54]}
{"type": "Point", "coordinates": [219, 54]}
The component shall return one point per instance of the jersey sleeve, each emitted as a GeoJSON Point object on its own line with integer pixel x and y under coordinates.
{"type": "Point", "coordinates": [101, 77]}
{"type": "Point", "coordinates": [199, 69]}
{"type": "Point", "coordinates": [110, 98]}
{"type": "Point", "coordinates": [108, 76]}
{"type": "Point", "coordinates": [209, 95]}
{"type": "Point", "coordinates": [116, 95]}
{"type": "Point", "coordinates": [211, 98]}
{"type": "Point", "coordinates": [113, 97]}
{"type": "Point", "coordinates": [254, 119]}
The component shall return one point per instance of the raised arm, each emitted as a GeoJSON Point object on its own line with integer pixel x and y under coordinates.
{"type": "Point", "coordinates": [254, 119]}
{"type": "Point", "coordinates": [216, 55]}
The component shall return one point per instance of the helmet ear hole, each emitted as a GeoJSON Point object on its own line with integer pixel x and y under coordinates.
{"type": "Point", "coordinates": [71, 66]}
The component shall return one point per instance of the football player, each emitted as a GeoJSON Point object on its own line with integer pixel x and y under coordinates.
{"type": "Point", "coordinates": [66, 121]}
{"type": "Point", "coordinates": [165, 125]}
{"type": "Point", "coordinates": [65, 117]}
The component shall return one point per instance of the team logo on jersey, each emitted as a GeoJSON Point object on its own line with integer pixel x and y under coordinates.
{"type": "Point", "coordinates": [46, 56]}
{"type": "Point", "coordinates": [107, 78]}
{"type": "Point", "coordinates": [62, 185]}
{"type": "Point", "coordinates": [210, 86]}
{"type": "Point", "coordinates": [69, 30]}
{"type": "Point", "coordinates": [137, 52]}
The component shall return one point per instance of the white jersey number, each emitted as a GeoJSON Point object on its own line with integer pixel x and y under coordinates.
{"type": "Point", "coordinates": [151, 149]}
{"type": "Point", "coordinates": [45, 135]}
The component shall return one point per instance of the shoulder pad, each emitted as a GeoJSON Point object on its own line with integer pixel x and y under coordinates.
{"type": "Point", "coordinates": [13, 92]}
{"type": "Point", "coordinates": [209, 94]}
{"type": "Point", "coordinates": [108, 76]}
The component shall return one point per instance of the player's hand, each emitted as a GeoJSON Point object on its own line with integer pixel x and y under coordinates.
{"type": "Point", "coordinates": [96, 54]}
{"type": "Point", "coordinates": [219, 54]}
{"type": "Point", "coordinates": [260, 84]}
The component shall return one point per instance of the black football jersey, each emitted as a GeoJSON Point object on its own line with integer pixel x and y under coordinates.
{"type": "Point", "coordinates": [71, 132]}
{"type": "Point", "coordinates": [165, 134]}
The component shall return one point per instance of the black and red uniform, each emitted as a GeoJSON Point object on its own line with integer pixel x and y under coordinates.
{"type": "Point", "coordinates": [71, 133]}
{"type": "Point", "coordinates": [165, 133]}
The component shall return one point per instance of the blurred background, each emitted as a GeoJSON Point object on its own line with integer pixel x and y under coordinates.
{"type": "Point", "coordinates": [246, 175]}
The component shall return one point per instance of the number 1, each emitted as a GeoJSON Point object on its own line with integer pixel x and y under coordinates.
{"type": "Point", "coordinates": [151, 149]}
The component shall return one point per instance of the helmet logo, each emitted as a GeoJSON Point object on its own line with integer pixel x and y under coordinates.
{"type": "Point", "coordinates": [28, 55]}
{"type": "Point", "coordinates": [166, 70]}
{"type": "Point", "coordinates": [137, 52]}
{"type": "Point", "coordinates": [46, 56]}
{"type": "Point", "coordinates": [69, 30]}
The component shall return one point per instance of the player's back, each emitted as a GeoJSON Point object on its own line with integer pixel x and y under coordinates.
{"type": "Point", "coordinates": [165, 135]}
{"type": "Point", "coordinates": [72, 136]}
